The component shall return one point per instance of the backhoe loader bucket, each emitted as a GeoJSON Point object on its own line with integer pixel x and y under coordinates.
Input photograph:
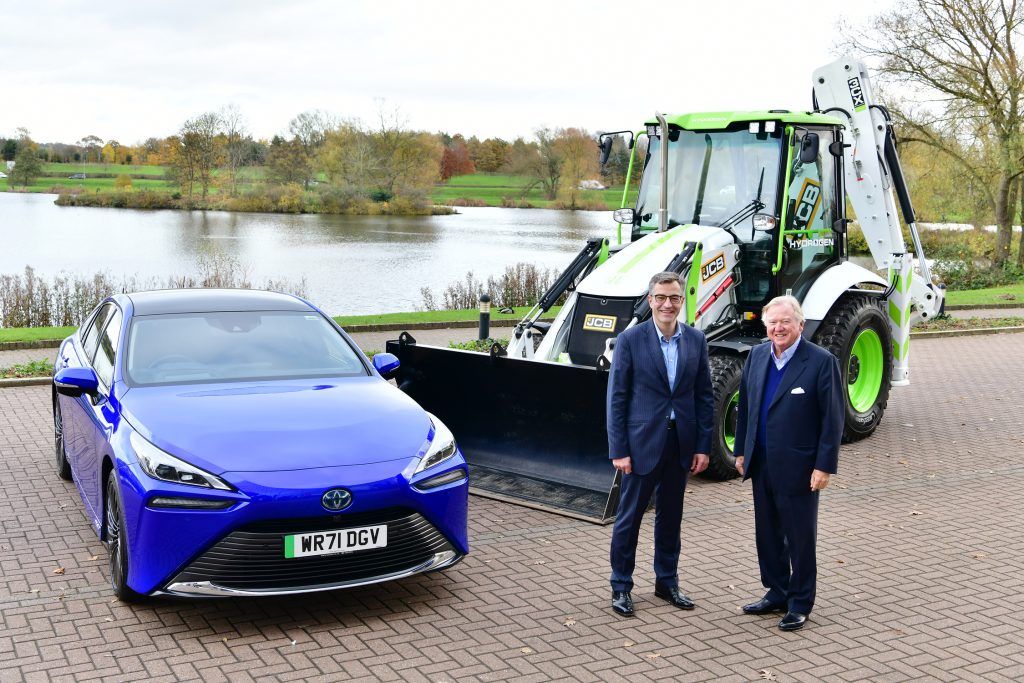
{"type": "Point", "coordinates": [533, 432]}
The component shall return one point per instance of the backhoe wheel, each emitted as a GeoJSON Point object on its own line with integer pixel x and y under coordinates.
{"type": "Point", "coordinates": [857, 332]}
{"type": "Point", "coordinates": [725, 380]}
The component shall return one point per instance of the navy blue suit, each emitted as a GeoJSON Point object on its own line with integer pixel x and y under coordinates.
{"type": "Point", "coordinates": [639, 405]}
{"type": "Point", "coordinates": [803, 432]}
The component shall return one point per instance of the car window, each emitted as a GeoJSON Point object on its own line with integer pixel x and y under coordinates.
{"type": "Point", "coordinates": [236, 346]}
{"type": "Point", "coordinates": [104, 361]}
{"type": "Point", "coordinates": [92, 335]}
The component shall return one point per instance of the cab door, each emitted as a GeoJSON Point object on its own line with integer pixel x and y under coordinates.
{"type": "Point", "coordinates": [807, 243]}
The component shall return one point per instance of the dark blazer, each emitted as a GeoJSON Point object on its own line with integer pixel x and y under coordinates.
{"type": "Point", "coordinates": [804, 428]}
{"type": "Point", "coordinates": [640, 402]}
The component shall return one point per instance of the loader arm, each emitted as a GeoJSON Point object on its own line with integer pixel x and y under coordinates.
{"type": "Point", "coordinates": [872, 174]}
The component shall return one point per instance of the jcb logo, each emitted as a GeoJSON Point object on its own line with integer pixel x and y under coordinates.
{"type": "Point", "coordinates": [807, 203]}
{"type": "Point", "coordinates": [712, 268]}
{"type": "Point", "coordinates": [599, 323]}
{"type": "Point", "coordinates": [857, 93]}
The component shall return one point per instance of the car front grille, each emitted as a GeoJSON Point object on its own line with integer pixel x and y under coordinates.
{"type": "Point", "coordinates": [251, 558]}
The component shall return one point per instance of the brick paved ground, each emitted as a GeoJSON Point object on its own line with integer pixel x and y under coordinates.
{"type": "Point", "coordinates": [921, 562]}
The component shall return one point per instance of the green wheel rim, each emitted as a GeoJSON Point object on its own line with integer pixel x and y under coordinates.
{"type": "Point", "coordinates": [865, 370]}
{"type": "Point", "coordinates": [729, 423]}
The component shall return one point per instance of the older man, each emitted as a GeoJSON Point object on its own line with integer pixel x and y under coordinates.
{"type": "Point", "coordinates": [788, 429]}
{"type": "Point", "coordinates": [660, 414]}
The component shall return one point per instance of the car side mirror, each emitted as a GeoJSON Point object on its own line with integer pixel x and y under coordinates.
{"type": "Point", "coordinates": [606, 149]}
{"type": "Point", "coordinates": [386, 364]}
{"type": "Point", "coordinates": [809, 148]}
{"type": "Point", "coordinates": [626, 216]}
{"type": "Point", "coordinates": [76, 381]}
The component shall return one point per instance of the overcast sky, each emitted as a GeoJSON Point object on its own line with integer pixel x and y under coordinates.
{"type": "Point", "coordinates": [131, 70]}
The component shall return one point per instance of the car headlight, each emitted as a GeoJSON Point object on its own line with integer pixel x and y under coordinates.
{"type": "Point", "coordinates": [442, 446]}
{"type": "Point", "coordinates": [165, 467]}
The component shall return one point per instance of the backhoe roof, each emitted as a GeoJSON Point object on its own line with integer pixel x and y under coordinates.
{"type": "Point", "coordinates": [719, 120]}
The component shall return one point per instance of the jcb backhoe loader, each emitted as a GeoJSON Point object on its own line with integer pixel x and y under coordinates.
{"type": "Point", "coordinates": [745, 206]}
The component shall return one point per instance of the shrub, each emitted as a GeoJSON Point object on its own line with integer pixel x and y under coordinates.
{"type": "Point", "coordinates": [479, 345]}
{"type": "Point", "coordinates": [520, 285]}
{"type": "Point", "coordinates": [29, 301]}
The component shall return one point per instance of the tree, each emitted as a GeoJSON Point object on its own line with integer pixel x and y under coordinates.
{"type": "Point", "coordinates": [199, 153]}
{"type": "Point", "coordinates": [963, 56]}
{"type": "Point", "coordinates": [27, 165]}
{"type": "Point", "coordinates": [579, 160]}
{"type": "Point", "coordinates": [409, 161]}
{"type": "Point", "coordinates": [455, 159]}
{"type": "Point", "coordinates": [310, 129]}
{"type": "Point", "coordinates": [540, 162]}
{"type": "Point", "coordinates": [348, 158]}
{"type": "Point", "coordinates": [492, 155]}
{"type": "Point", "coordinates": [123, 182]}
{"type": "Point", "coordinates": [235, 147]}
{"type": "Point", "coordinates": [10, 149]}
{"type": "Point", "coordinates": [91, 146]}
{"type": "Point", "coordinates": [288, 162]}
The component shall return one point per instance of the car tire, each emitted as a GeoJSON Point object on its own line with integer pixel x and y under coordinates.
{"type": "Point", "coordinates": [117, 543]}
{"type": "Point", "coordinates": [726, 371]}
{"type": "Point", "coordinates": [60, 453]}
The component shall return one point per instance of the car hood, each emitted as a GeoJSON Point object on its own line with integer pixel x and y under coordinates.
{"type": "Point", "coordinates": [280, 425]}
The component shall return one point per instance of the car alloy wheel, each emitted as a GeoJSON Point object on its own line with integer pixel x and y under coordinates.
{"type": "Point", "coordinates": [60, 454]}
{"type": "Point", "coordinates": [116, 542]}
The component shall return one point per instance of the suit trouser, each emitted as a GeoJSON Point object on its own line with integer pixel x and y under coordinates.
{"type": "Point", "coordinates": [668, 478]}
{"type": "Point", "coordinates": [786, 531]}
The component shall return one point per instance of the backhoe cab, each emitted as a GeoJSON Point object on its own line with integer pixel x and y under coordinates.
{"type": "Point", "coordinates": [744, 206]}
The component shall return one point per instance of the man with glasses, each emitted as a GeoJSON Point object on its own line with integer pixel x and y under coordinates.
{"type": "Point", "coordinates": [660, 415]}
{"type": "Point", "coordinates": [788, 428]}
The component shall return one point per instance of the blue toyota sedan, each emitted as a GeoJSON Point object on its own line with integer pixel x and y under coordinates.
{"type": "Point", "coordinates": [237, 442]}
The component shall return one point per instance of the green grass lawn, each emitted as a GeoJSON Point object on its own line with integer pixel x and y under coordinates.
{"type": "Point", "coordinates": [116, 169]}
{"type": "Point", "coordinates": [1009, 294]}
{"type": "Point", "coordinates": [493, 188]}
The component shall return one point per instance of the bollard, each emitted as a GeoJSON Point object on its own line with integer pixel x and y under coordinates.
{"type": "Point", "coordinates": [485, 316]}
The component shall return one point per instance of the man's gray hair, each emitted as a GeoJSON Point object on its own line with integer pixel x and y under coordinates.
{"type": "Point", "coordinates": [663, 279]}
{"type": "Point", "coordinates": [787, 300]}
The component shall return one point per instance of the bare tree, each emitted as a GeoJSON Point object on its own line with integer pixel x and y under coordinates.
{"type": "Point", "coordinates": [963, 56]}
{"type": "Point", "coordinates": [200, 152]}
{"type": "Point", "coordinates": [235, 147]}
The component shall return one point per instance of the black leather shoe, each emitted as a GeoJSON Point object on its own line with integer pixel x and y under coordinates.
{"type": "Point", "coordinates": [793, 621]}
{"type": "Point", "coordinates": [622, 603]}
{"type": "Point", "coordinates": [673, 596]}
{"type": "Point", "coordinates": [763, 606]}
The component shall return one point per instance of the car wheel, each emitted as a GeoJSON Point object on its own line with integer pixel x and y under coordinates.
{"type": "Point", "coordinates": [117, 543]}
{"type": "Point", "coordinates": [63, 466]}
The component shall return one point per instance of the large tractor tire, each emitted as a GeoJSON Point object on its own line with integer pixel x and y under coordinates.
{"type": "Point", "coordinates": [726, 370]}
{"type": "Point", "coordinates": [857, 332]}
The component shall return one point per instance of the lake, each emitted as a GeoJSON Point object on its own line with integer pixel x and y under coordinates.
{"type": "Point", "coordinates": [352, 264]}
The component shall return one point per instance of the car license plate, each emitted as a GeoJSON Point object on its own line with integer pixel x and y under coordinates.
{"type": "Point", "coordinates": [339, 541]}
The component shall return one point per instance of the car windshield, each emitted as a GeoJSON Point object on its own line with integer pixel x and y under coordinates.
{"type": "Point", "coordinates": [712, 177]}
{"type": "Point", "coordinates": [192, 348]}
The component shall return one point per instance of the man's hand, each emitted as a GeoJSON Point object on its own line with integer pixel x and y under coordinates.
{"type": "Point", "coordinates": [624, 465]}
{"type": "Point", "coordinates": [739, 464]}
{"type": "Point", "coordinates": [819, 480]}
{"type": "Point", "coordinates": [700, 463]}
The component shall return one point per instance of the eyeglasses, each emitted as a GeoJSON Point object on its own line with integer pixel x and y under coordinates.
{"type": "Point", "coordinates": [676, 299]}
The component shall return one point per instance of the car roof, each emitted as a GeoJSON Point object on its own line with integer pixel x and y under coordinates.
{"type": "Point", "coordinates": [158, 302]}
